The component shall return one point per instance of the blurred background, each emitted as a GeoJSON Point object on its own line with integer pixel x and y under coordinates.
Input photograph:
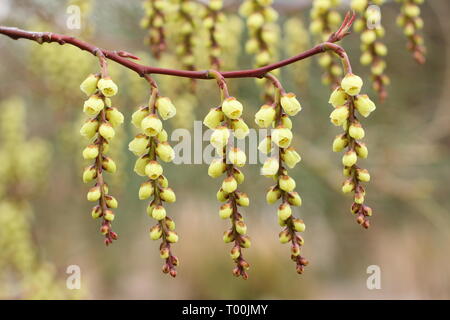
{"type": "Point", "coordinates": [45, 222]}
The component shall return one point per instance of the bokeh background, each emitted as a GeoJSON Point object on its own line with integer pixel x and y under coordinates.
{"type": "Point", "coordinates": [45, 222]}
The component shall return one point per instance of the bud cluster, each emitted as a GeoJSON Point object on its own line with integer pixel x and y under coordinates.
{"type": "Point", "coordinates": [150, 146]}
{"type": "Point", "coordinates": [346, 100]}
{"type": "Point", "coordinates": [277, 115]}
{"type": "Point", "coordinates": [410, 21]}
{"type": "Point", "coordinates": [324, 20]}
{"type": "Point", "coordinates": [99, 129]}
{"type": "Point", "coordinates": [154, 21]}
{"type": "Point", "coordinates": [226, 122]}
{"type": "Point", "coordinates": [373, 50]}
{"type": "Point", "coordinates": [212, 18]}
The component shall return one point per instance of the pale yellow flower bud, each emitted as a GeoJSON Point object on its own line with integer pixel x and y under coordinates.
{"type": "Point", "coordinates": [359, 5]}
{"type": "Point", "coordinates": [89, 85]}
{"type": "Point", "coordinates": [139, 144]}
{"type": "Point", "coordinates": [150, 208]}
{"type": "Point", "coordinates": [349, 158]}
{"type": "Point", "coordinates": [163, 182]}
{"type": "Point", "coordinates": [285, 121]}
{"type": "Point", "coordinates": [351, 84]}
{"type": "Point", "coordinates": [356, 131]}
{"type": "Point", "coordinates": [106, 131]}
{"type": "Point", "coordinates": [138, 116]}
{"type": "Point", "coordinates": [237, 157]}
{"type": "Point", "coordinates": [221, 195]}
{"type": "Point", "coordinates": [165, 152]}
{"type": "Point", "coordinates": [214, 118]}
{"type": "Point", "coordinates": [219, 137]}
{"type": "Point", "coordinates": [96, 212]}
{"type": "Point", "coordinates": [216, 168]}
{"type": "Point", "coordinates": [162, 136]}
{"type": "Point", "coordinates": [363, 175]}
{"type": "Point", "coordinates": [273, 195]}
{"type": "Point", "coordinates": [235, 253]}
{"type": "Point", "coordinates": [159, 213]}
{"type": "Point", "coordinates": [172, 237]}
{"type": "Point", "coordinates": [290, 157]}
{"type": "Point", "coordinates": [348, 186]}
{"type": "Point", "coordinates": [265, 116]}
{"type": "Point", "coordinates": [107, 87]}
{"type": "Point", "coordinates": [241, 227]}
{"type": "Point", "coordinates": [225, 210]}
{"type": "Point", "coordinates": [146, 190]}
{"type": "Point", "coordinates": [284, 211]}
{"type": "Point", "coordinates": [232, 108]}
{"type": "Point", "coordinates": [114, 116]}
{"type": "Point", "coordinates": [364, 105]}
{"type": "Point", "coordinates": [109, 215]}
{"type": "Point", "coordinates": [240, 128]}
{"type": "Point", "coordinates": [270, 167]}
{"type": "Point", "coordinates": [339, 143]}
{"type": "Point", "coordinates": [265, 146]}
{"type": "Point", "coordinates": [286, 183]}
{"type": "Point", "coordinates": [89, 128]}
{"type": "Point", "coordinates": [238, 175]}
{"type": "Point", "coordinates": [229, 185]}
{"type": "Point", "coordinates": [90, 152]}
{"type": "Point", "coordinates": [338, 97]}
{"type": "Point", "coordinates": [165, 107]}
{"type": "Point", "coordinates": [243, 199]}
{"type": "Point", "coordinates": [170, 224]}
{"type": "Point", "coordinates": [140, 164]}
{"type": "Point", "coordinates": [294, 199]}
{"type": "Point", "coordinates": [368, 37]}
{"type": "Point", "coordinates": [285, 236]}
{"type": "Point", "coordinates": [228, 236]}
{"type": "Point", "coordinates": [155, 232]}
{"type": "Point", "coordinates": [299, 225]}
{"type": "Point", "coordinates": [245, 242]}
{"type": "Point", "coordinates": [168, 195]}
{"type": "Point", "coordinates": [89, 174]}
{"type": "Point", "coordinates": [361, 150]}
{"type": "Point", "coordinates": [290, 104]}
{"type": "Point", "coordinates": [153, 170]}
{"type": "Point", "coordinates": [339, 115]}
{"type": "Point", "coordinates": [255, 21]}
{"type": "Point", "coordinates": [94, 194]}
{"type": "Point", "coordinates": [151, 125]}
{"type": "Point", "coordinates": [111, 202]}
{"type": "Point", "coordinates": [93, 106]}
{"type": "Point", "coordinates": [109, 165]}
{"type": "Point", "coordinates": [282, 136]}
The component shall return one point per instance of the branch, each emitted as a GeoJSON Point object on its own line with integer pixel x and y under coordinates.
{"type": "Point", "coordinates": [123, 57]}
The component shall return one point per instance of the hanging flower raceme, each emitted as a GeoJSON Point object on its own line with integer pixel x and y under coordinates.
{"type": "Point", "coordinates": [226, 122]}
{"type": "Point", "coordinates": [212, 18]}
{"type": "Point", "coordinates": [151, 146]}
{"type": "Point", "coordinates": [410, 21]}
{"type": "Point", "coordinates": [282, 157]}
{"type": "Point", "coordinates": [99, 129]}
{"type": "Point", "coordinates": [373, 50]}
{"type": "Point", "coordinates": [154, 21]}
{"type": "Point", "coordinates": [347, 101]}
{"type": "Point", "coordinates": [324, 20]}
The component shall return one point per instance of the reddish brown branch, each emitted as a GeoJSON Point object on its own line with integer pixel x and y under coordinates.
{"type": "Point", "coordinates": [123, 57]}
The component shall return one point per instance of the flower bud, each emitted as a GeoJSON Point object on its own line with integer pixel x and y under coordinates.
{"type": "Point", "coordinates": [339, 143]}
{"type": "Point", "coordinates": [111, 202]}
{"type": "Point", "coordinates": [232, 108]}
{"type": "Point", "coordinates": [241, 227]}
{"type": "Point", "coordinates": [162, 136]}
{"type": "Point", "coordinates": [295, 250]}
{"type": "Point", "coordinates": [216, 168]}
{"type": "Point", "coordinates": [339, 115]}
{"type": "Point", "coordinates": [89, 85]}
{"type": "Point", "coordinates": [150, 208]}
{"type": "Point", "coordinates": [361, 150]}
{"type": "Point", "coordinates": [139, 144]}
{"type": "Point", "coordinates": [106, 131]}
{"type": "Point", "coordinates": [245, 242]}
{"type": "Point", "coordinates": [109, 215]}
{"type": "Point", "coordinates": [228, 236]}
{"type": "Point", "coordinates": [89, 174]}
{"type": "Point", "coordinates": [146, 190]}
{"type": "Point", "coordinates": [237, 157]}
{"type": "Point", "coordinates": [170, 224]}
{"type": "Point", "coordinates": [155, 232]}
{"type": "Point", "coordinates": [286, 183]}
{"type": "Point", "coordinates": [89, 128]}
{"type": "Point", "coordinates": [265, 146]}
{"type": "Point", "coordinates": [153, 170]}
{"type": "Point", "coordinates": [285, 121]}
{"type": "Point", "coordinates": [255, 21]}
{"type": "Point", "coordinates": [356, 131]}
{"type": "Point", "coordinates": [359, 198]}
{"type": "Point", "coordinates": [285, 236]}
{"type": "Point", "coordinates": [221, 195]}
{"type": "Point", "coordinates": [219, 137]}
{"type": "Point", "coordinates": [363, 175]}
{"type": "Point", "coordinates": [265, 116]}
{"type": "Point", "coordinates": [290, 157]}
{"type": "Point", "coordinates": [338, 97]}
{"type": "Point", "coordinates": [282, 136]}
{"type": "Point", "coordinates": [96, 212]}
{"type": "Point", "coordinates": [151, 125]}
{"type": "Point", "coordinates": [163, 182]}
{"type": "Point", "coordinates": [164, 253]}
{"type": "Point", "coordinates": [238, 175]}
{"type": "Point", "coordinates": [90, 152]}
{"type": "Point", "coordinates": [94, 194]}
{"type": "Point", "coordinates": [242, 199]}
{"type": "Point", "coordinates": [299, 225]}
{"type": "Point", "coordinates": [225, 210]}
{"type": "Point", "coordinates": [348, 186]}
{"type": "Point", "coordinates": [107, 87]}
{"type": "Point", "coordinates": [159, 212]}
{"type": "Point", "coordinates": [294, 199]}
{"type": "Point", "coordinates": [240, 128]}
{"type": "Point", "coordinates": [273, 195]}
{"type": "Point", "coordinates": [351, 84]}
{"type": "Point", "coordinates": [138, 116]}
{"type": "Point", "coordinates": [114, 116]}
{"type": "Point", "coordinates": [290, 104]}
{"type": "Point", "coordinates": [109, 165]}
{"type": "Point", "coordinates": [364, 105]}
{"type": "Point", "coordinates": [141, 163]}
{"type": "Point", "coordinates": [349, 158]}
{"type": "Point", "coordinates": [93, 106]}
{"type": "Point", "coordinates": [214, 118]}
{"type": "Point", "coordinates": [284, 211]}
{"type": "Point", "coordinates": [235, 252]}
{"type": "Point", "coordinates": [165, 152]}
{"type": "Point", "coordinates": [270, 167]}
{"type": "Point", "coordinates": [168, 195]}
{"type": "Point", "coordinates": [172, 237]}
{"type": "Point", "coordinates": [229, 185]}
{"type": "Point", "coordinates": [165, 107]}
